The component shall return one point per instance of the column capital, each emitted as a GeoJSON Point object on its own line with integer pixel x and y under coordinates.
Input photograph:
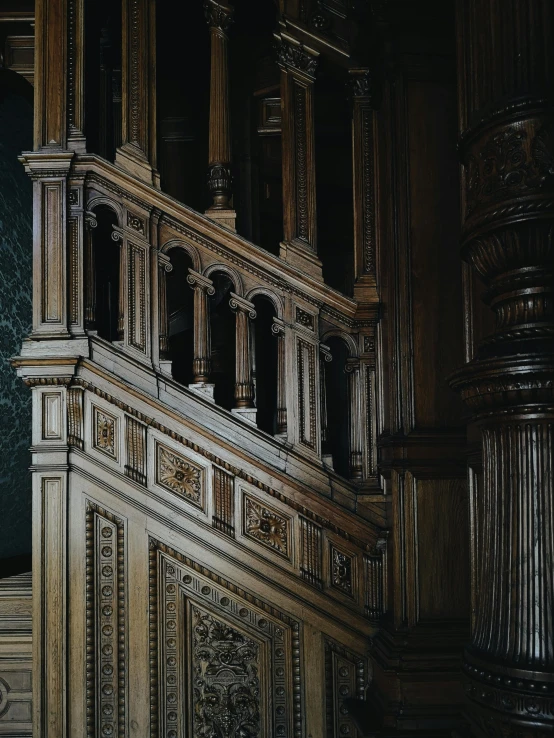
{"type": "Point", "coordinates": [199, 281]}
{"type": "Point", "coordinates": [218, 16]}
{"type": "Point", "coordinates": [292, 56]}
{"type": "Point", "coordinates": [240, 304]}
{"type": "Point", "coordinates": [361, 86]}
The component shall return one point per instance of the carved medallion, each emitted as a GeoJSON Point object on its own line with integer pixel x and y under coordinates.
{"type": "Point", "coordinates": [304, 318]}
{"type": "Point", "coordinates": [341, 571]}
{"type": "Point", "coordinates": [104, 432]}
{"type": "Point", "coordinates": [179, 475]}
{"type": "Point", "coordinates": [226, 698]}
{"type": "Point", "coordinates": [266, 526]}
{"type": "Point", "coordinates": [134, 222]}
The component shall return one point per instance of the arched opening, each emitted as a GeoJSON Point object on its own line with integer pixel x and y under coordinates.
{"type": "Point", "coordinates": [223, 341]}
{"type": "Point", "coordinates": [336, 430]}
{"type": "Point", "coordinates": [265, 364]}
{"type": "Point", "coordinates": [180, 311]}
{"type": "Point", "coordinates": [103, 77]}
{"type": "Point", "coordinates": [107, 257]}
{"type": "Point", "coordinates": [182, 100]}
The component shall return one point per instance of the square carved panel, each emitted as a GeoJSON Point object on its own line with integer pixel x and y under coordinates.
{"type": "Point", "coordinates": [266, 526]}
{"type": "Point", "coordinates": [342, 571]}
{"type": "Point", "coordinates": [105, 432]}
{"type": "Point", "coordinates": [180, 475]}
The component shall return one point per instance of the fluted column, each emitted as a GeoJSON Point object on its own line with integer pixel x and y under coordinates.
{"type": "Point", "coordinates": [278, 328]}
{"type": "Point", "coordinates": [244, 386]}
{"type": "Point", "coordinates": [90, 273]}
{"type": "Point", "coordinates": [219, 19]}
{"type": "Point", "coordinates": [203, 288]}
{"type": "Point", "coordinates": [352, 369]}
{"type": "Point", "coordinates": [507, 147]}
{"type": "Point", "coordinates": [363, 99]}
{"type": "Point", "coordinates": [164, 267]}
{"type": "Point", "coordinates": [298, 65]}
{"type": "Point", "coordinates": [137, 153]}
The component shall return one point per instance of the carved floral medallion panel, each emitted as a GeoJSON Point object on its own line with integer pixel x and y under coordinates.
{"type": "Point", "coordinates": [105, 432]}
{"type": "Point", "coordinates": [266, 526]}
{"type": "Point", "coordinates": [180, 475]}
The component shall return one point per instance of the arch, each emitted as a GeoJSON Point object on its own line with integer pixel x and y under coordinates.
{"type": "Point", "coordinates": [275, 299]}
{"type": "Point", "coordinates": [99, 200]}
{"type": "Point", "coordinates": [233, 275]}
{"type": "Point", "coordinates": [348, 339]}
{"type": "Point", "coordinates": [177, 243]}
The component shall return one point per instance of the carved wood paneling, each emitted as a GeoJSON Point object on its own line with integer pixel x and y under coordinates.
{"type": "Point", "coordinates": [180, 475]}
{"type": "Point", "coordinates": [105, 433]}
{"type": "Point", "coordinates": [226, 662]}
{"type": "Point", "coordinates": [346, 677]}
{"type": "Point", "coordinates": [75, 417]}
{"type": "Point", "coordinates": [106, 623]}
{"type": "Point", "coordinates": [224, 502]}
{"type": "Point", "coordinates": [312, 553]}
{"type": "Point", "coordinates": [266, 526]}
{"type": "Point", "coordinates": [135, 443]}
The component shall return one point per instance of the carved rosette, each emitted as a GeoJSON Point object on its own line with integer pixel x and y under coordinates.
{"type": "Point", "coordinates": [266, 526]}
{"type": "Point", "coordinates": [179, 475]}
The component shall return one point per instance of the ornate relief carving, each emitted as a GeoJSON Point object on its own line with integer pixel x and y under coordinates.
{"type": "Point", "coordinates": [218, 16]}
{"type": "Point", "coordinates": [242, 674]}
{"type": "Point", "coordinates": [135, 468]}
{"type": "Point", "coordinates": [136, 223]}
{"type": "Point", "coordinates": [293, 56]}
{"type": "Point", "coordinates": [342, 571]}
{"type": "Point", "coordinates": [226, 667]}
{"type": "Point", "coordinates": [304, 318]}
{"type": "Point", "coordinates": [104, 432]}
{"type": "Point", "coordinates": [266, 526]}
{"type": "Point", "coordinates": [106, 622]}
{"type": "Point", "coordinates": [180, 475]}
{"type": "Point", "coordinates": [223, 518]}
{"type": "Point", "coordinates": [311, 553]}
{"type": "Point", "coordinates": [305, 358]}
{"type": "Point", "coordinates": [346, 677]}
{"type": "Point", "coordinates": [73, 196]}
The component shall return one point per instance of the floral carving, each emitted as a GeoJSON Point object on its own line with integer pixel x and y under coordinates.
{"type": "Point", "coordinates": [179, 475]}
{"type": "Point", "coordinates": [105, 432]}
{"type": "Point", "coordinates": [295, 57]}
{"type": "Point", "coordinates": [341, 571]}
{"type": "Point", "coordinates": [266, 526]}
{"type": "Point", "coordinates": [226, 701]}
{"type": "Point", "coordinates": [136, 223]}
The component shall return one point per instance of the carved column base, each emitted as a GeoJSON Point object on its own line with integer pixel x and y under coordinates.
{"type": "Point", "coordinates": [203, 389]}
{"type": "Point", "coordinates": [248, 414]}
{"type": "Point", "coordinates": [132, 160]}
{"type": "Point", "coordinates": [225, 218]}
{"type": "Point", "coordinates": [300, 257]}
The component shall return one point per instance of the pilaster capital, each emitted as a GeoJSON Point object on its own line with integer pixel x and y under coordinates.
{"type": "Point", "coordinates": [362, 87]}
{"type": "Point", "coordinates": [217, 15]}
{"type": "Point", "coordinates": [240, 304]}
{"type": "Point", "coordinates": [294, 56]}
{"type": "Point", "coordinates": [200, 282]}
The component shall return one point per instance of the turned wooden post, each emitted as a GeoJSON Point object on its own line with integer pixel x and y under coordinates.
{"type": "Point", "coordinates": [90, 273]}
{"type": "Point", "coordinates": [244, 387]}
{"type": "Point", "coordinates": [298, 65]}
{"type": "Point", "coordinates": [203, 288]}
{"type": "Point", "coordinates": [278, 328]}
{"type": "Point", "coordinates": [507, 148]}
{"type": "Point", "coordinates": [219, 18]}
{"type": "Point", "coordinates": [352, 369]}
{"type": "Point", "coordinates": [362, 97]}
{"type": "Point", "coordinates": [164, 267]}
{"type": "Point", "coordinates": [137, 153]}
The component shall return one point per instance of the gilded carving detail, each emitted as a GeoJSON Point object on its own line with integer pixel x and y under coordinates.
{"type": "Point", "coordinates": [341, 571]}
{"type": "Point", "coordinates": [266, 526]}
{"type": "Point", "coordinates": [226, 701]}
{"type": "Point", "coordinates": [105, 432]}
{"type": "Point", "coordinates": [179, 475]}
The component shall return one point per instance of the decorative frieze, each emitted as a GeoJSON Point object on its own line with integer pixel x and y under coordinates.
{"type": "Point", "coordinates": [180, 475]}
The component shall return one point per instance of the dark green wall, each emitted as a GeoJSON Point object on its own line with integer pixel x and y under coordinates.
{"type": "Point", "coordinates": [16, 121]}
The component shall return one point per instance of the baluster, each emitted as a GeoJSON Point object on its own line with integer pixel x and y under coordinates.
{"type": "Point", "coordinates": [90, 273]}
{"type": "Point", "coordinates": [278, 329]}
{"type": "Point", "coordinates": [201, 366]}
{"type": "Point", "coordinates": [219, 18]}
{"type": "Point", "coordinates": [244, 388]}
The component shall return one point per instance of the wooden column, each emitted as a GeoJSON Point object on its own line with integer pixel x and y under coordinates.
{"type": "Point", "coordinates": [219, 19]}
{"type": "Point", "coordinates": [278, 328]}
{"type": "Point", "coordinates": [90, 273]}
{"type": "Point", "coordinates": [203, 288]}
{"type": "Point", "coordinates": [75, 76]}
{"type": "Point", "coordinates": [298, 65]}
{"type": "Point", "coordinates": [364, 189]}
{"type": "Point", "coordinates": [507, 147]}
{"type": "Point", "coordinates": [137, 153]}
{"type": "Point", "coordinates": [164, 267]}
{"type": "Point", "coordinates": [244, 387]}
